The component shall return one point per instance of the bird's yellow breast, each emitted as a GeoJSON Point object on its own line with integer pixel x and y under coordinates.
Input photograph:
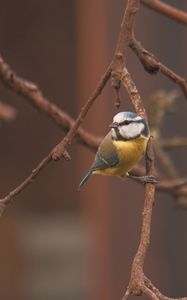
{"type": "Point", "coordinates": [130, 153]}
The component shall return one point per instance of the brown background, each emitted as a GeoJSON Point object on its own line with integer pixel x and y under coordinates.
{"type": "Point", "coordinates": [57, 243]}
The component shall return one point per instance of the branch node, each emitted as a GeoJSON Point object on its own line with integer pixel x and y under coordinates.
{"type": "Point", "coordinates": [116, 79]}
{"type": "Point", "coordinates": [119, 55]}
{"type": "Point", "coordinates": [148, 60]}
{"type": "Point", "coordinates": [58, 152]}
{"type": "Point", "coordinates": [32, 87]}
{"type": "Point", "coordinates": [149, 63]}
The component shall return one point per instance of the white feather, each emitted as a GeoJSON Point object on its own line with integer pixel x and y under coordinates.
{"type": "Point", "coordinates": [131, 130]}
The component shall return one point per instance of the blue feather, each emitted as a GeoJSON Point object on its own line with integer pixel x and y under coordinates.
{"type": "Point", "coordinates": [86, 177]}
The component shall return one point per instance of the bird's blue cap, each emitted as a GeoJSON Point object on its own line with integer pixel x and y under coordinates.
{"type": "Point", "coordinates": [126, 115]}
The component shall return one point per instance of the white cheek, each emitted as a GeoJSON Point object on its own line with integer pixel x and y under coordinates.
{"type": "Point", "coordinates": [131, 130]}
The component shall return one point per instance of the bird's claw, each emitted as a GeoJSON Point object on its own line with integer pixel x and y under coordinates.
{"type": "Point", "coordinates": [144, 179]}
{"type": "Point", "coordinates": [149, 179]}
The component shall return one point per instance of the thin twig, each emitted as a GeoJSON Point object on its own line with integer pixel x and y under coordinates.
{"type": "Point", "coordinates": [150, 286]}
{"type": "Point", "coordinates": [8, 198]}
{"type": "Point", "coordinates": [60, 149]}
{"type": "Point", "coordinates": [31, 92]}
{"type": "Point", "coordinates": [167, 10]}
{"type": "Point", "coordinates": [175, 142]}
{"type": "Point", "coordinates": [166, 161]}
{"type": "Point", "coordinates": [160, 104]}
{"type": "Point", "coordinates": [133, 93]}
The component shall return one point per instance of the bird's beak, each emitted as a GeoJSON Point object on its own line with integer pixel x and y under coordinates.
{"type": "Point", "coordinates": [113, 125]}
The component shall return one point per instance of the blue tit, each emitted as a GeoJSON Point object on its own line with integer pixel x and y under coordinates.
{"type": "Point", "coordinates": [122, 148]}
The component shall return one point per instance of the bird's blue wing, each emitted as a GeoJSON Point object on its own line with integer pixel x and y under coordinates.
{"type": "Point", "coordinates": [106, 156]}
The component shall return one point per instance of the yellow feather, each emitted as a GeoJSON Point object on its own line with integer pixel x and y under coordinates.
{"type": "Point", "coordinates": [130, 153]}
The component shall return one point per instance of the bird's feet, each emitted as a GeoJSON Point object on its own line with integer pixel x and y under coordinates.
{"type": "Point", "coordinates": [143, 179]}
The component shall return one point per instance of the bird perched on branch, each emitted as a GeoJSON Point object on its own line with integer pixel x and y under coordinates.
{"type": "Point", "coordinates": [122, 148]}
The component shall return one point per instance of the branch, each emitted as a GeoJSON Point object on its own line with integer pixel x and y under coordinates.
{"type": "Point", "coordinates": [9, 197]}
{"type": "Point", "coordinates": [174, 142]}
{"type": "Point", "coordinates": [137, 282]}
{"type": "Point", "coordinates": [161, 103]}
{"type": "Point", "coordinates": [133, 93]}
{"type": "Point", "coordinates": [32, 93]}
{"type": "Point", "coordinates": [176, 188]}
{"type": "Point", "coordinates": [60, 149]}
{"type": "Point", "coordinates": [152, 65]}
{"type": "Point", "coordinates": [167, 10]}
{"type": "Point", "coordinates": [119, 74]}
{"type": "Point", "coordinates": [166, 161]}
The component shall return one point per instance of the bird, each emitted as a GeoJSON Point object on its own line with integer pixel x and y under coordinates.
{"type": "Point", "coordinates": [122, 148]}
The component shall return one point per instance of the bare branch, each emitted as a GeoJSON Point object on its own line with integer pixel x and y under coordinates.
{"type": "Point", "coordinates": [119, 69]}
{"type": "Point", "coordinates": [152, 65]}
{"type": "Point", "coordinates": [174, 142]}
{"type": "Point", "coordinates": [167, 10]}
{"type": "Point", "coordinates": [31, 92]}
{"type": "Point", "coordinates": [60, 149]}
{"type": "Point", "coordinates": [119, 74]}
{"type": "Point", "coordinates": [8, 198]}
{"type": "Point", "coordinates": [166, 161]}
{"type": "Point", "coordinates": [137, 284]}
{"type": "Point", "coordinates": [133, 93]}
{"type": "Point", "coordinates": [25, 88]}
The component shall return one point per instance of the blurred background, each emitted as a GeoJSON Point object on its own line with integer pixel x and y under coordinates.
{"type": "Point", "coordinates": [58, 243]}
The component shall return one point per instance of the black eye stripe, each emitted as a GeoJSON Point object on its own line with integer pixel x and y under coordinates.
{"type": "Point", "coordinates": [126, 122]}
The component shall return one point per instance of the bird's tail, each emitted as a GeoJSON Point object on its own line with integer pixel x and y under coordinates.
{"type": "Point", "coordinates": [86, 177]}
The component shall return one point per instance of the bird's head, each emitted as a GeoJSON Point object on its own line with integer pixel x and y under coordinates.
{"type": "Point", "coordinates": [128, 126]}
